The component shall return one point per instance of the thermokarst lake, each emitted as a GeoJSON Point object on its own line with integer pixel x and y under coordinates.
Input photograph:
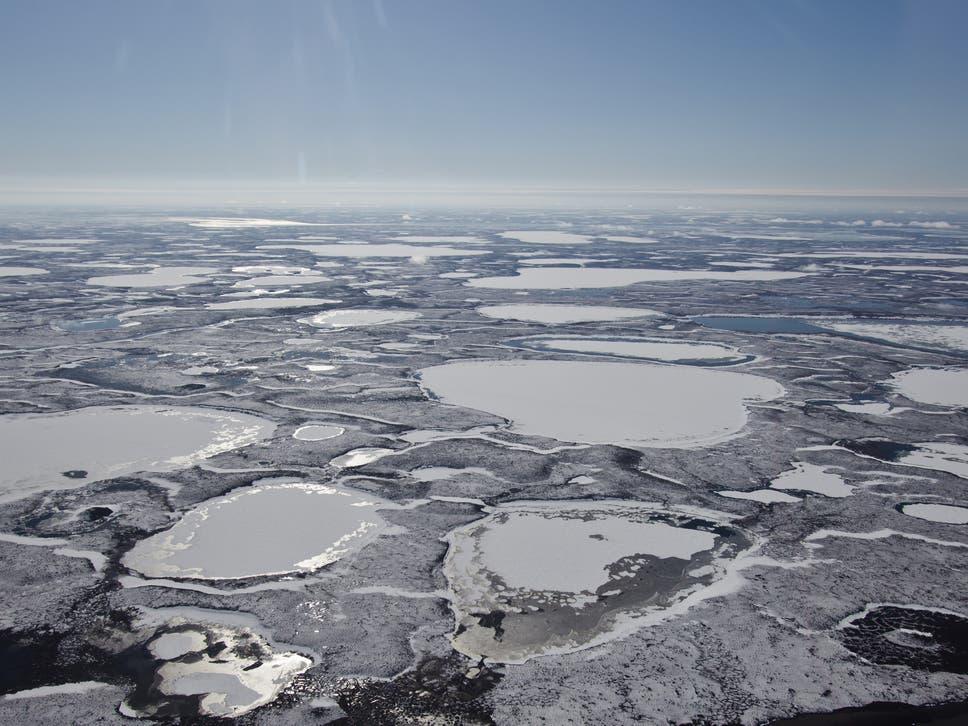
{"type": "Point", "coordinates": [367, 465]}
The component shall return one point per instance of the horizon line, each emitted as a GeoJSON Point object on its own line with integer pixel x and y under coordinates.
{"type": "Point", "coordinates": [18, 191]}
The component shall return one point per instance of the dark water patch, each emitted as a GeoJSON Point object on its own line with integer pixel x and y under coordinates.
{"type": "Point", "coordinates": [899, 636]}
{"type": "Point", "coordinates": [790, 301]}
{"type": "Point", "coordinates": [87, 326]}
{"type": "Point", "coordinates": [883, 713]}
{"type": "Point", "coordinates": [877, 448]}
{"type": "Point", "coordinates": [492, 620]}
{"type": "Point", "coordinates": [28, 660]}
{"type": "Point", "coordinates": [747, 324]}
{"type": "Point", "coordinates": [436, 690]}
{"type": "Point", "coordinates": [96, 514]}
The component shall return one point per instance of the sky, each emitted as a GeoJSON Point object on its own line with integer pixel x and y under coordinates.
{"type": "Point", "coordinates": [848, 95]}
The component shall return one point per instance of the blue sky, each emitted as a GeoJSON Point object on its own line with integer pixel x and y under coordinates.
{"type": "Point", "coordinates": [782, 94]}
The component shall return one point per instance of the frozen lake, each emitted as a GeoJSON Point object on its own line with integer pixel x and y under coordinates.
{"type": "Point", "coordinates": [266, 529]}
{"type": "Point", "coordinates": [628, 404]}
{"type": "Point", "coordinates": [317, 432]}
{"type": "Point", "coordinates": [547, 237]}
{"type": "Point", "coordinates": [10, 271]}
{"type": "Point", "coordinates": [70, 449]}
{"type": "Point", "coordinates": [937, 386]}
{"type": "Point", "coordinates": [656, 349]}
{"type": "Point", "coordinates": [562, 314]}
{"type": "Point", "coordinates": [337, 319]}
{"type": "Point", "coordinates": [591, 569]}
{"type": "Point", "coordinates": [572, 278]}
{"type": "Point", "coordinates": [364, 251]}
{"type": "Point", "coordinates": [272, 303]}
{"type": "Point", "coordinates": [944, 513]}
{"type": "Point", "coordinates": [158, 277]}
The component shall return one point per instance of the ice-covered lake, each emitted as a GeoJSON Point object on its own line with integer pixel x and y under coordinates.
{"type": "Point", "coordinates": [69, 449]}
{"type": "Point", "coordinates": [628, 404]}
{"type": "Point", "coordinates": [266, 529]}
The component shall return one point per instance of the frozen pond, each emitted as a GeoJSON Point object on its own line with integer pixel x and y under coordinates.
{"type": "Point", "coordinates": [85, 326]}
{"type": "Point", "coordinates": [560, 314]}
{"type": "Point", "coordinates": [944, 513]}
{"type": "Point", "coordinates": [875, 254]}
{"type": "Point", "coordinates": [232, 670]}
{"type": "Point", "coordinates": [338, 319]}
{"type": "Point", "coordinates": [632, 240]}
{"type": "Point", "coordinates": [559, 576]}
{"type": "Point", "coordinates": [938, 386]}
{"type": "Point", "coordinates": [363, 250]}
{"type": "Point", "coordinates": [952, 337]}
{"type": "Point", "coordinates": [7, 271]}
{"type": "Point", "coordinates": [952, 458]}
{"type": "Point", "coordinates": [435, 239]}
{"type": "Point", "coordinates": [870, 408]}
{"type": "Point", "coordinates": [282, 281]}
{"type": "Point", "coordinates": [360, 457]}
{"type": "Point", "coordinates": [70, 449]}
{"type": "Point", "coordinates": [260, 530]}
{"type": "Point", "coordinates": [174, 645]}
{"type": "Point", "coordinates": [552, 261]}
{"type": "Point", "coordinates": [571, 278]}
{"type": "Point", "coordinates": [241, 222]}
{"type": "Point", "coordinates": [657, 349]}
{"type": "Point", "coordinates": [763, 496]}
{"type": "Point", "coordinates": [751, 324]}
{"type": "Point", "coordinates": [278, 276]}
{"type": "Point", "coordinates": [805, 477]}
{"type": "Point", "coordinates": [158, 277]}
{"type": "Point", "coordinates": [640, 405]}
{"type": "Point", "coordinates": [547, 237]}
{"type": "Point", "coordinates": [317, 432]}
{"type": "Point", "coordinates": [272, 303]}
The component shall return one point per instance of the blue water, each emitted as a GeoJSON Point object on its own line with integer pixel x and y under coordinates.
{"type": "Point", "coordinates": [742, 324]}
{"type": "Point", "coordinates": [84, 326]}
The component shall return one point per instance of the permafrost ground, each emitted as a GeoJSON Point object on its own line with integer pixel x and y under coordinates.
{"type": "Point", "coordinates": [377, 468]}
